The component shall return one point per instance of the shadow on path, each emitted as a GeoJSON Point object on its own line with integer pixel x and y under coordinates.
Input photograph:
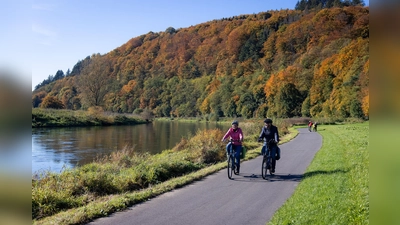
{"type": "Point", "coordinates": [247, 177]}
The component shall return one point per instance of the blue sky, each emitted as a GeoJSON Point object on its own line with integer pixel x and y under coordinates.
{"type": "Point", "coordinates": [65, 31]}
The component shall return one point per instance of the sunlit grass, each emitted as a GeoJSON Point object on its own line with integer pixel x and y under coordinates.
{"type": "Point", "coordinates": [335, 186]}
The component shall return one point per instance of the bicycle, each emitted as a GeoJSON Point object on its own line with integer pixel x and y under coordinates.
{"type": "Point", "coordinates": [267, 160]}
{"type": "Point", "coordinates": [231, 160]}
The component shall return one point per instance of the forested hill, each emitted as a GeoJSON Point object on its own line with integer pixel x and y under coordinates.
{"type": "Point", "coordinates": [312, 62]}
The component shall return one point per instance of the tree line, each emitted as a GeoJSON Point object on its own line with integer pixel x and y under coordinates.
{"type": "Point", "coordinates": [280, 63]}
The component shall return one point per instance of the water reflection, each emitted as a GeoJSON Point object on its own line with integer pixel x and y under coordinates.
{"type": "Point", "coordinates": [55, 148]}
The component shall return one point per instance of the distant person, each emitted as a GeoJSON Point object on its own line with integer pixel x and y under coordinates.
{"type": "Point", "coordinates": [315, 127]}
{"type": "Point", "coordinates": [270, 132]}
{"type": "Point", "coordinates": [310, 124]}
{"type": "Point", "coordinates": [236, 135]}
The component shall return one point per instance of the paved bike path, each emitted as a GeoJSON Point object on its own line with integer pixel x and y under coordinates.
{"type": "Point", "coordinates": [248, 199]}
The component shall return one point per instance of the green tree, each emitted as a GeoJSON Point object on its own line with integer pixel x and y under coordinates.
{"type": "Point", "coordinates": [305, 107]}
{"type": "Point", "coordinates": [248, 105]}
{"type": "Point", "coordinates": [356, 109]}
{"type": "Point", "coordinates": [300, 5]}
{"type": "Point", "coordinates": [59, 75]}
{"type": "Point", "coordinates": [288, 101]}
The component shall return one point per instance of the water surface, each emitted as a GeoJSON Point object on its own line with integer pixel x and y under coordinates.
{"type": "Point", "coordinates": [56, 148]}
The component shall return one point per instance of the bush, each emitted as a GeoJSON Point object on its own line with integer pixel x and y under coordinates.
{"type": "Point", "coordinates": [206, 146]}
{"type": "Point", "coordinates": [51, 102]}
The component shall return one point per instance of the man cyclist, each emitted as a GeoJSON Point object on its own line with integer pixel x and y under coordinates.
{"type": "Point", "coordinates": [270, 133]}
{"type": "Point", "coordinates": [236, 134]}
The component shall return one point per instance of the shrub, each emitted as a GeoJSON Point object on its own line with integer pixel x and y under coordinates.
{"type": "Point", "coordinates": [51, 102]}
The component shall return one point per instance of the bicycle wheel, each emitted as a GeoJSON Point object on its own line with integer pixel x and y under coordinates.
{"type": "Point", "coordinates": [264, 168]}
{"type": "Point", "coordinates": [231, 166]}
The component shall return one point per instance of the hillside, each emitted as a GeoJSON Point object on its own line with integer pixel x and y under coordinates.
{"type": "Point", "coordinates": [278, 64]}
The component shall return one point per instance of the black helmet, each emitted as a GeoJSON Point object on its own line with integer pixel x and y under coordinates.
{"type": "Point", "coordinates": [235, 122]}
{"type": "Point", "coordinates": [267, 121]}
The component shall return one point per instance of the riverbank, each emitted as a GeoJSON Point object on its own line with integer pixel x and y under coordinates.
{"type": "Point", "coordinates": [70, 118]}
{"type": "Point", "coordinates": [116, 182]}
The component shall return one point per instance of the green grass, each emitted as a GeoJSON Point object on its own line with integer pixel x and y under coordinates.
{"type": "Point", "coordinates": [69, 118]}
{"type": "Point", "coordinates": [335, 186]}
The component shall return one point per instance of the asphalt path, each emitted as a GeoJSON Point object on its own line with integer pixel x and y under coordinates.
{"type": "Point", "coordinates": [247, 199]}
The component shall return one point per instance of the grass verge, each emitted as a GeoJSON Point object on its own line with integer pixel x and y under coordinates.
{"type": "Point", "coordinates": [334, 189]}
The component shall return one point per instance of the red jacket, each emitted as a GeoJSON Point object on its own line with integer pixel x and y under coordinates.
{"type": "Point", "coordinates": [235, 135]}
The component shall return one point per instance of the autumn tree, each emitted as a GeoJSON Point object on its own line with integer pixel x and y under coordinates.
{"type": "Point", "coordinates": [51, 102]}
{"type": "Point", "coordinates": [94, 81]}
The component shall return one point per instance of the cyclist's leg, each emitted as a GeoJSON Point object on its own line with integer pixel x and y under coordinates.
{"type": "Point", "coordinates": [268, 153]}
{"type": "Point", "coordinates": [273, 154]}
{"type": "Point", "coordinates": [263, 149]}
{"type": "Point", "coordinates": [228, 149]}
{"type": "Point", "coordinates": [237, 156]}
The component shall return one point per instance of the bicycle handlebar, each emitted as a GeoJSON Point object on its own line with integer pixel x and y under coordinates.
{"type": "Point", "coordinates": [233, 140]}
{"type": "Point", "coordinates": [271, 141]}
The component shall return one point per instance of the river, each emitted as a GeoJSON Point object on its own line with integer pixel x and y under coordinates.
{"type": "Point", "coordinates": [56, 148]}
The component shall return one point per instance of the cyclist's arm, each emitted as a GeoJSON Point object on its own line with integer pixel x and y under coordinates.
{"type": "Point", "coordinates": [276, 135]}
{"type": "Point", "coordinates": [226, 135]}
{"type": "Point", "coordinates": [241, 136]}
{"type": "Point", "coordinates": [261, 136]}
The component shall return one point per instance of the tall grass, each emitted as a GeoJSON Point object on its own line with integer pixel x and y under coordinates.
{"type": "Point", "coordinates": [335, 186]}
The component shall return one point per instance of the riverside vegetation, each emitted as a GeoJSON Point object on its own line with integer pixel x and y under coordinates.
{"type": "Point", "coordinates": [125, 178]}
{"type": "Point", "coordinates": [94, 116]}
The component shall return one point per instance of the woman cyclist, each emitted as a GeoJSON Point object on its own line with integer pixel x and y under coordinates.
{"type": "Point", "coordinates": [270, 132]}
{"type": "Point", "coordinates": [236, 134]}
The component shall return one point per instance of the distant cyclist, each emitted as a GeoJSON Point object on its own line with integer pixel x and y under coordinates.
{"type": "Point", "coordinates": [315, 126]}
{"type": "Point", "coordinates": [270, 133]}
{"type": "Point", "coordinates": [236, 134]}
{"type": "Point", "coordinates": [310, 124]}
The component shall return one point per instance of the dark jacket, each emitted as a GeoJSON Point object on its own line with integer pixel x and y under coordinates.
{"type": "Point", "coordinates": [269, 134]}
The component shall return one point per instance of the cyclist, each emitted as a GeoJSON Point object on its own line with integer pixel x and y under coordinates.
{"type": "Point", "coordinates": [310, 124]}
{"type": "Point", "coordinates": [270, 132]}
{"type": "Point", "coordinates": [315, 126]}
{"type": "Point", "coordinates": [236, 134]}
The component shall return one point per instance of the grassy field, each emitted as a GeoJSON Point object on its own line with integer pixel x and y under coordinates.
{"type": "Point", "coordinates": [335, 186]}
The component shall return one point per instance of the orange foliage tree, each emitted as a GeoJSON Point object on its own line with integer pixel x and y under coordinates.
{"type": "Point", "coordinates": [51, 102]}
